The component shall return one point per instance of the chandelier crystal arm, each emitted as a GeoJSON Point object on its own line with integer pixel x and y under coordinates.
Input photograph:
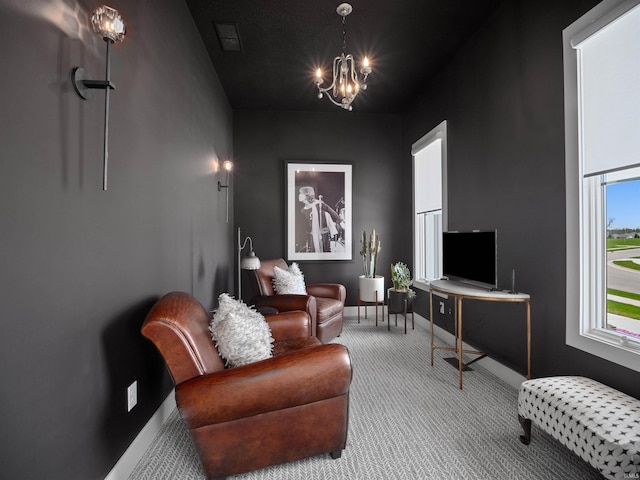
{"type": "Point", "coordinates": [337, 75]}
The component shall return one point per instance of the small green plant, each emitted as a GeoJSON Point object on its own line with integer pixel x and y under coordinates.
{"type": "Point", "coordinates": [401, 278]}
{"type": "Point", "coordinates": [369, 252]}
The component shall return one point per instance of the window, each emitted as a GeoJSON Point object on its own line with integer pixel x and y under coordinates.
{"type": "Point", "coordinates": [602, 114]}
{"type": "Point", "coordinates": [622, 199]}
{"type": "Point", "coordinates": [429, 200]}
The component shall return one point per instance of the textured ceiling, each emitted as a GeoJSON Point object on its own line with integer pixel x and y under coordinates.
{"type": "Point", "coordinates": [284, 41]}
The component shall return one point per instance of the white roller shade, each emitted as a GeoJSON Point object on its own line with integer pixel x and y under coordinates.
{"type": "Point", "coordinates": [609, 95]}
{"type": "Point", "coordinates": [428, 177]}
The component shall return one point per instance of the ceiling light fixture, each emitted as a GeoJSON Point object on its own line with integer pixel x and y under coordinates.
{"type": "Point", "coordinates": [107, 23]}
{"type": "Point", "coordinates": [346, 80]}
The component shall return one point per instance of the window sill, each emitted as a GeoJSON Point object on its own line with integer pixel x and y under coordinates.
{"type": "Point", "coordinates": [615, 340]}
{"type": "Point", "coordinates": [423, 285]}
{"type": "Point", "coordinates": [608, 346]}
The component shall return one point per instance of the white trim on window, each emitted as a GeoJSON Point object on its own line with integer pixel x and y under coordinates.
{"type": "Point", "coordinates": [585, 216]}
{"type": "Point", "coordinates": [429, 207]}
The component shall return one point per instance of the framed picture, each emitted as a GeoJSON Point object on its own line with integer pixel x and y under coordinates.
{"type": "Point", "coordinates": [319, 207]}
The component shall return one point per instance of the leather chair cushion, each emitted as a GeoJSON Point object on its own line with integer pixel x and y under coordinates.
{"type": "Point", "coordinates": [328, 308]}
{"type": "Point", "coordinates": [289, 345]}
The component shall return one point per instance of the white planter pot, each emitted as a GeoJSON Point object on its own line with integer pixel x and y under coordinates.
{"type": "Point", "coordinates": [369, 286]}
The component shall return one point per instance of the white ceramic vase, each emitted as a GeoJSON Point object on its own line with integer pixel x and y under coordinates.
{"type": "Point", "coordinates": [369, 286]}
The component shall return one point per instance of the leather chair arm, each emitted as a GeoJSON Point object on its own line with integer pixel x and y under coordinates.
{"type": "Point", "coordinates": [287, 303]}
{"type": "Point", "coordinates": [328, 290]}
{"type": "Point", "coordinates": [288, 325]}
{"type": "Point", "coordinates": [289, 380]}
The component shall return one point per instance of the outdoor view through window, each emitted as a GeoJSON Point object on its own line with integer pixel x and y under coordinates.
{"type": "Point", "coordinates": [623, 257]}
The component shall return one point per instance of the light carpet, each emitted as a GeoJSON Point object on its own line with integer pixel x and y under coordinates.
{"type": "Point", "coordinates": [407, 420]}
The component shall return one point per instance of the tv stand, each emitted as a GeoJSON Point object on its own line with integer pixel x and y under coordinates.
{"type": "Point", "coordinates": [460, 291]}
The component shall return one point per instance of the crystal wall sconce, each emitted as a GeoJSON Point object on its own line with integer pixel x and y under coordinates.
{"type": "Point", "coordinates": [107, 23]}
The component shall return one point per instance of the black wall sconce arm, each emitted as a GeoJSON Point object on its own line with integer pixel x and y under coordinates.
{"type": "Point", "coordinates": [82, 84]}
{"type": "Point", "coordinates": [108, 23]}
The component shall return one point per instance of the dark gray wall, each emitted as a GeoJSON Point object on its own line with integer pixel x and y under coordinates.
{"type": "Point", "coordinates": [80, 267]}
{"type": "Point", "coordinates": [263, 141]}
{"type": "Point", "coordinates": [502, 96]}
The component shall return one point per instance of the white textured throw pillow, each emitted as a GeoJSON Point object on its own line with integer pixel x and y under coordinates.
{"type": "Point", "coordinates": [289, 281]}
{"type": "Point", "coordinates": [240, 333]}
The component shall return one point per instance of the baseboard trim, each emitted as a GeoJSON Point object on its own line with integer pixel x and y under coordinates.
{"type": "Point", "coordinates": [504, 373]}
{"type": "Point", "coordinates": [141, 443]}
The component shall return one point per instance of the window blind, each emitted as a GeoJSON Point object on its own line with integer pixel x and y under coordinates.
{"type": "Point", "coordinates": [609, 95]}
{"type": "Point", "coordinates": [428, 177]}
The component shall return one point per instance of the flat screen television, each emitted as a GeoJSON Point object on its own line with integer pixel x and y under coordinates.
{"type": "Point", "coordinates": [471, 257]}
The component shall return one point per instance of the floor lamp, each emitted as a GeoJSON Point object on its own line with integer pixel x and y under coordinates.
{"type": "Point", "coordinates": [250, 262]}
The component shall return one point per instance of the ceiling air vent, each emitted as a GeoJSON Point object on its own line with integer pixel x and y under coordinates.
{"type": "Point", "coordinates": [229, 37]}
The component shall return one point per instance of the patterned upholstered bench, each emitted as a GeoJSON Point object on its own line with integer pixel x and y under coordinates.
{"type": "Point", "coordinates": [596, 422]}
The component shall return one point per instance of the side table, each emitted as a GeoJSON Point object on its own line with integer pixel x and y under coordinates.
{"type": "Point", "coordinates": [399, 302]}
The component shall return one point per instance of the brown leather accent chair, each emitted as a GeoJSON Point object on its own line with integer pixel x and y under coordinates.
{"type": "Point", "coordinates": [327, 315]}
{"type": "Point", "coordinates": [291, 406]}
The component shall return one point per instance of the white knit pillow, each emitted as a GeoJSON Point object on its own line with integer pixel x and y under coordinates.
{"type": "Point", "coordinates": [288, 281]}
{"type": "Point", "coordinates": [240, 333]}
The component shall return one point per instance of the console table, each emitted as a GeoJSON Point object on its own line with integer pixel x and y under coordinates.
{"type": "Point", "coordinates": [460, 291]}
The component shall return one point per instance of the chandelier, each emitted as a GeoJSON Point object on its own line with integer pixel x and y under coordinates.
{"type": "Point", "coordinates": [347, 82]}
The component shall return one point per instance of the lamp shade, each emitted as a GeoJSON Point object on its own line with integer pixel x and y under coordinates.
{"type": "Point", "coordinates": [250, 262]}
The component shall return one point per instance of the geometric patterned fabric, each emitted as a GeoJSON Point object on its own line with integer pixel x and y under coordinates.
{"type": "Point", "coordinates": [600, 424]}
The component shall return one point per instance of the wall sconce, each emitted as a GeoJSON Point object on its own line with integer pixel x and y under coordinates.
{"type": "Point", "coordinates": [250, 262]}
{"type": "Point", "coordinates": [228, 166]}
{"type": "Point", "coordinates": [108, 23]}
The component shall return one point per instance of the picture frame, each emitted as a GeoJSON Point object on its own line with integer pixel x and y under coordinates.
{"type": "Point", "coordinates": [319, 206]}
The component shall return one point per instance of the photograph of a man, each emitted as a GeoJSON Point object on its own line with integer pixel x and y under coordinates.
{"type": "Point", "coordinates": [319, 211]}
{"type": "Point", "coordinates": [324, 229]}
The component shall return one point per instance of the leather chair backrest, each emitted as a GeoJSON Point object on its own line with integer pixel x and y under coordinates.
{"type": "Point", "coordinates": [263, 277]}
{"type": "Point", "coordinates": [178, 325]}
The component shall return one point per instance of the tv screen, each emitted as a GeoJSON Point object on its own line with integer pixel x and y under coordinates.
{"type": "Point", "coordinates": [471, 257]}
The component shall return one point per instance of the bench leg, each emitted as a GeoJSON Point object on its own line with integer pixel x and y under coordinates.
{"type": "Point", "coordinates": [336, 454]}
{"type": "Point", "coordinates": [526, 426]}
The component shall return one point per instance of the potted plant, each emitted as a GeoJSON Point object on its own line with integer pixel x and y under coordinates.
{"type": "Point", "coordinates": [401, 278]}
{"type": "Point", "coordinates": [371, 286]}
{"type": "Point", "coordinates": [401, 295]}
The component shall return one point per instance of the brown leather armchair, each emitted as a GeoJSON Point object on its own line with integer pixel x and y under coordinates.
{"type": "Point", "coordinates": [291, 406]}
{"type": "Point", "coordinates": [324, 302]}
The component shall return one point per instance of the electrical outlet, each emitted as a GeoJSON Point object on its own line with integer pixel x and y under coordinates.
{"type": "Point", "coordinates": [132, 395]}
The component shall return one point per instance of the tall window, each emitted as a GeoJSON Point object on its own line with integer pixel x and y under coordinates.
{"type": "Point", "coordinates": [429, 193]}
{"type": "Point", "coordinates": [602, 115]}
{"type": "Point", "coordinates": [622, 272]}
